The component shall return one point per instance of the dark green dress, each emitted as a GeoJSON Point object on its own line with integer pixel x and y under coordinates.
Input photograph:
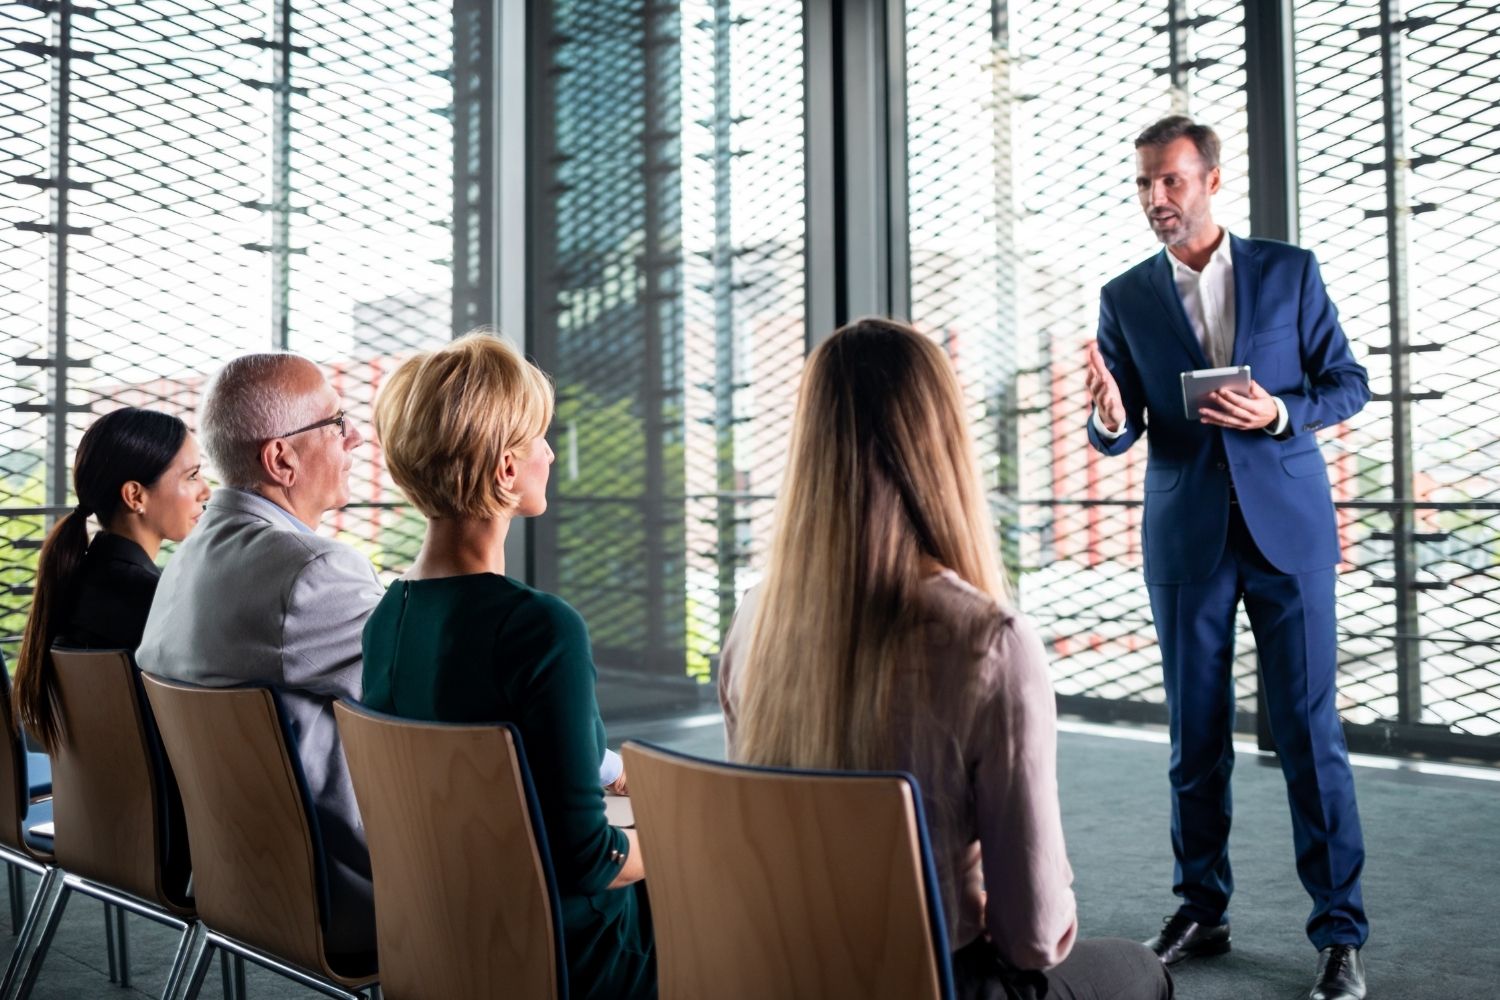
{"type": "Point", "coordinates": [485, 648]}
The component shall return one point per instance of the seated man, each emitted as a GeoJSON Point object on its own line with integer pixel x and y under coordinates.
{"type": "Point", "coordinates": [256, 596]}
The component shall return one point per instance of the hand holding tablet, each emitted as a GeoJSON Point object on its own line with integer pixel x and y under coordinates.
{"type": "Point", "coordinates": [1198, 386]}
{"type": "Point", "coordinates": [1228, 398]}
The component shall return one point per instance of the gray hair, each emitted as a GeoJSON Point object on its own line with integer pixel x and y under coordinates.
{"type": "Point", "coordinates": [249, 401]}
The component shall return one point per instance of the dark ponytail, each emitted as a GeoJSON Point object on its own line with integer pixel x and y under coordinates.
{"type": "Point", "coordinates": [120, 447]}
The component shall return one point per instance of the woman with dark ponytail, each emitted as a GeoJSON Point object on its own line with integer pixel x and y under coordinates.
{"type": "Point", "coordinates": [138, 473]}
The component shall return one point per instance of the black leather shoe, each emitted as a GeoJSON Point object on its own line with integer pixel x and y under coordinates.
{"type": "Point", "coordinates": [1341, 974]}
{"type": "Point", "coordinates": [1182, 937]}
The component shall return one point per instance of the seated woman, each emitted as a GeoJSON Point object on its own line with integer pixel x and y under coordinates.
{"type": "Point", "coordinates": [456, 640]}
{"type": "Point", "coordinates": [138, 472]}
{"type": "Point", "coordinates": [882, 637]}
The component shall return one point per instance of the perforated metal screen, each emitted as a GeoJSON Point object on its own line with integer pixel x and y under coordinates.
{"type": "Point", "coordinates": [1414, 251]}
{"type": "Point", "coordinates": [1020, 124]}
{"type": "Point", "coordinates": [181, 184]}
{"type": "Point", "coordinates": [669, 300]}
{"type": "Point", "coordinates": [186, 183]}
{"type": "Point", "coordinates": [1020, 129]}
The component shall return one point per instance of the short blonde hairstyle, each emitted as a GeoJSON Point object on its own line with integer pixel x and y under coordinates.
{"type": "Point", "coordinates": [445, 418]}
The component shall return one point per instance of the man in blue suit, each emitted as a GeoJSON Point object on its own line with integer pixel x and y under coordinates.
{"type": "Point", "coordinates": [1238, 506]}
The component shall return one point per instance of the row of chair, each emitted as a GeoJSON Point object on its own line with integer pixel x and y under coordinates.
{"type": "Point", "coordinates": [257, 887]}
{"type": "Point", "coordinates": [762, 882]}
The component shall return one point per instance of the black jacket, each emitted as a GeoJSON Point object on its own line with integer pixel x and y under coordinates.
{"type": "Point", "coordinates": [115, 589]}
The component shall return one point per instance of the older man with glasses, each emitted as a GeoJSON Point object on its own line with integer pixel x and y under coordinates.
{"type": "Point", "coordinates": [255, 595]}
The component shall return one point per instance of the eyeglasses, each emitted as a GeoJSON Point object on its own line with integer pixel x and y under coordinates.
{"type": "Point", "coordinates": [337, 420]}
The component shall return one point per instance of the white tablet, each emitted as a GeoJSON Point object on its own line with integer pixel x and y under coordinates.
{"type": "Point", "coordinates": [618, 811]}
{"type": "Point", "coordinates": [1196, 385]}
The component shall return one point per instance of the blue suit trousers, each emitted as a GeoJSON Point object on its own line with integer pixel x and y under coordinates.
{"type": "Point", "coordinates": [1292, 617]}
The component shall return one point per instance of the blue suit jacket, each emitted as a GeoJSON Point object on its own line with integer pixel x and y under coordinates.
{"type": "Point", "coordinates": [1288, 332]}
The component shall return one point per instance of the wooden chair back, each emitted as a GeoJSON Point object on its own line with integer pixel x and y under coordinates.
{"type": "Point", "coordinates": [256, 874]}
{"type": "Point", "coordinates": [789, 884]}
{"type": "Point", "coordinates": [464, 891]}
{"type": "Point", "coordinates": [13, 785]}
{"type": "Point", "coordinates": [109, 806]}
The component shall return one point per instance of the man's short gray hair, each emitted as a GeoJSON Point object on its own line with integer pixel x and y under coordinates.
{"type": "Point", "coordinates": [249, 401]}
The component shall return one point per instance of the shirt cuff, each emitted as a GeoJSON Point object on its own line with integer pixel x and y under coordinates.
{"type": "Point", "coordinates": [1110, 435]}
{"type": "Point", "coordinates": [1281, 417]}
{"type": "Point", "coordinates": [610, 768]}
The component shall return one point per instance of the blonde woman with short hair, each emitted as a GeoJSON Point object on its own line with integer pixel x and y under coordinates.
{"type": "Point", "coordinates": [456, 640]}
{"type": "Point", "coordinates": [883, 637]}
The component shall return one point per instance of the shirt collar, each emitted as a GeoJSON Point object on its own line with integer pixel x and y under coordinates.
{"type": "Point", "coordinates": [271, 508]}
{"type": "Point", "coordinates": [1222, 255]}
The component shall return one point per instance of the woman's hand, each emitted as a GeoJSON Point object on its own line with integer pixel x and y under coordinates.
{"type": "Point", "coordinates": [619, 786]}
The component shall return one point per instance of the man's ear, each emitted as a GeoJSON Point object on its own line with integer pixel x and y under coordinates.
{"type": "Point", "coordinates": [278, 460]}
{"type": "Point", "coordinates": [505, 472]}
{"type": "Point", "coordinates": [132, 495]}
{"type": "Point", "coordinates": [1213, 181]}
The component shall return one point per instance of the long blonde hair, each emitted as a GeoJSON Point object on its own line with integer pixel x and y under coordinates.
{"type": "Point", "coordinates": [882, 473]}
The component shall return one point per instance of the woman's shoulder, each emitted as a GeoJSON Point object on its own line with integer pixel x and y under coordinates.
{"type": "Point", "coordinates": [951, 599]}
{"type": "Point", "coordinates": [1002, 637]}
{"type": "Point", "coordinates": [542, 614]}
{"type": "Point", "coordinates": [113, 557]}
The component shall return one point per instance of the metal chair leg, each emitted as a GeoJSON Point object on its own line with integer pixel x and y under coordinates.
{"type": "Point", "coordinates": [13, 876]}
{"type": "Point", "coordinates": [190, 966]}
{"type": "Point", "coordinates": [36, 936]}
{"type": "Point", "coordinates": [185, 945]}
{"type": "Point", "coordinates": [109, 944]}
{"type": "Point", "coordinates": [122, 945]}
{"type": "Point", "coordinates": [232, 967]}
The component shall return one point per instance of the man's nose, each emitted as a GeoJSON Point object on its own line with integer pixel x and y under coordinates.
{"type": "Point", "coordinates": [353, 438]}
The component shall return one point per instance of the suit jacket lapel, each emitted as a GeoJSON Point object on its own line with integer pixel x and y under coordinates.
{"type": "Point", "coordinates": [1171, 307]}
{"type": "Point", "coordinates": [1246, 292]}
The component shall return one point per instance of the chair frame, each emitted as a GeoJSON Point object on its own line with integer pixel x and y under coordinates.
{"type": "Point", "coordinates": [15, 852]}
{"type": "Point", "coordinates": [58, 884]}
{"type": "Point", "coordinates": [200, 950]}
{"type": "Point", "coordinates": [383, 748]}
{"type": "Point", "coordinates": [928, 882]}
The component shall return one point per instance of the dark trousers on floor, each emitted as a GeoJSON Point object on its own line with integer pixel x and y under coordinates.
{"type": "Point", "coordinates": [1098, 969]}
{"type": "Point", "coordinates": [1292, 617]}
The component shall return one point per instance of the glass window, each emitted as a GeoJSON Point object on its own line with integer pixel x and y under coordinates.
{"type": "Point", "coordinates": [668, 305]}
{"type": "Point", "coordinates": [215, 204]}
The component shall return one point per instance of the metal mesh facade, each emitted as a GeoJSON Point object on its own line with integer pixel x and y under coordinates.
{"type": "Point", "coordinates": [186, 184]}
{"type": "Point", "coordinates": [668, 305]}
{"type": "Point", "coordinates": [1403, 209]}
{"type": "Point", "coordinates": [1020, 125]}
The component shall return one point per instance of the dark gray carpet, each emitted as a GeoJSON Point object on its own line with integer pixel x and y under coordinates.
{"type": "Point", "coordinates": [1432, 876]}
{"type": "Point", "coordinates": [1432, 885]}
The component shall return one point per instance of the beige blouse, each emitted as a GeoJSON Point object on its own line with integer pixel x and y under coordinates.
{"type": "Point", "coordinates": [988, 772]}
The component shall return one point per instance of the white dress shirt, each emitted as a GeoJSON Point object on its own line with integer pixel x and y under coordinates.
{"type": "Point", "coordinates": [1208, 299]}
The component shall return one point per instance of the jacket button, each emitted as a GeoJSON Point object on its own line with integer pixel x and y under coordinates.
{"type": "Point", "coordinates": [1220, 466]}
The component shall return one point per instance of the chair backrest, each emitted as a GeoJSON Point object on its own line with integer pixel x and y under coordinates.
{"type": "Point", "coordinates": [777, 883]}
{"type": "Point", "coordinates": [465, 899]}
{"type": "Point", "coordinates": [256, 872]}
{"type": "Point", "coordinates": [108, 802]}
{"type": "Point", "coordinates": [13, 785]}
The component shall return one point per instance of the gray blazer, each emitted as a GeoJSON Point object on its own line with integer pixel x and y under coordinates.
{"type": "Point", "coordinates": [250, 598]}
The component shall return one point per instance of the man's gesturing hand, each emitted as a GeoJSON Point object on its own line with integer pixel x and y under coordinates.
{"type": "Point", "coordinates": [1240, 412]}
{"type": "Point", "coordinates": [1103, 390]}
